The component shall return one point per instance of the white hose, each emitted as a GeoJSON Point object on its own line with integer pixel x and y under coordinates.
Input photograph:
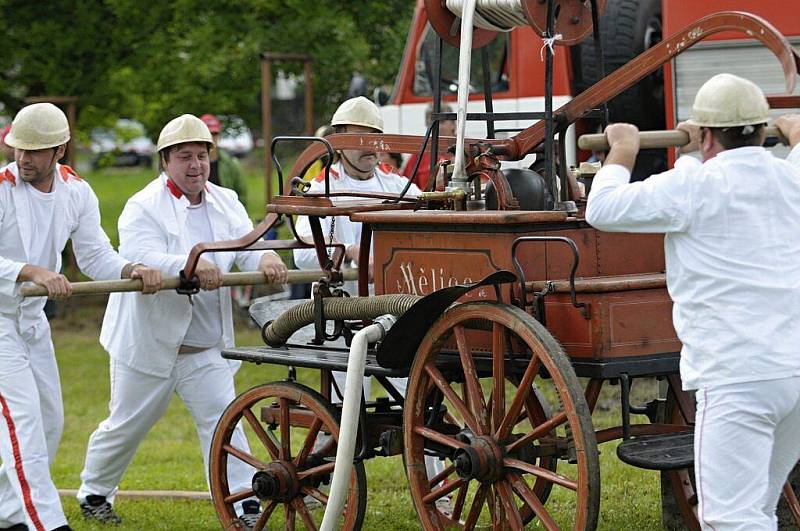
{"type": "Point", "coordinates": [464, 63]}
{"type": "Point", "coordinates": [348, 426]}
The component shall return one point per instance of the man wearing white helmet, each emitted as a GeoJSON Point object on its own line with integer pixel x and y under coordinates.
{"type": "Point", "coordinates": [174, 345]}
{"type": "Point", "coordinates": [732, 245]}
{"type": "Point", "coordinates": [42, 205]}
{"type": "Point", "coordinates": [353, 171]}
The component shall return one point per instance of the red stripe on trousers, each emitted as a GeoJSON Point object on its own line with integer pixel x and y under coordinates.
{"type": "Point", "coordinates": [23, 483]}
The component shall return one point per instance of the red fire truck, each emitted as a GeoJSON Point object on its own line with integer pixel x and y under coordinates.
{"type": "Point", "coordinates": [627, 28]}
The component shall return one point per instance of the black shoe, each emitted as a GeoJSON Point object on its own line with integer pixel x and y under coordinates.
{"type": "Point", "coordinates": [97, 508]}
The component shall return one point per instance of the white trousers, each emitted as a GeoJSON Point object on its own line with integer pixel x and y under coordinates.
{"type": "Point", "coordinates": [203, 381]}
{"type": "Point", "coordinates": [746, 442]}
{"type": "Point", "coordinates": [30, 428]}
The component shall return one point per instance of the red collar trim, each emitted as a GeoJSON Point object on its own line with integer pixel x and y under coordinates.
{"type": "Point", "coordinates": [8, 176]}
{"type": "Point", "coordinates": [173, 189]}
{"type": "Point", "coordinates": [68, 173]}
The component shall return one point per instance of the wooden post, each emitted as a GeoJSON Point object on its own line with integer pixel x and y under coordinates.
{"type": "Point", "coordinates": [309, 92]}
{"type": "Point", "coordinates": [266, 121]}
{"type": "Point", "coordinates": [267, 58]}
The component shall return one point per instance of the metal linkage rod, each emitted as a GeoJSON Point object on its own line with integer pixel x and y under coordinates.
{"type": "Point", "coordinates": [229, 279]}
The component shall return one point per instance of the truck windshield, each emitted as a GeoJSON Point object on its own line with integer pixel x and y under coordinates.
{"type": "Point", "coordinates": [425, 66]}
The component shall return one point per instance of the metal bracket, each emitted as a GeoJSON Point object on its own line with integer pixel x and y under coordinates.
{"type": "Point", "coordinates": [582, 306]}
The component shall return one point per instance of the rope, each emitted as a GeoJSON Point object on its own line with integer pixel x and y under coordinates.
{"type": "Point", "coordinates": [494, 15]}
{"type": "Point", "coordinates": [548, 42]}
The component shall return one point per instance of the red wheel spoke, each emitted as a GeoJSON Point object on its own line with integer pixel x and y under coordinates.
{"type": "Point", "coordinates": [305, 515]}
{"type": "Point", "coordinates": [461, 497]}
{"type": "Point", "coordinates": [524, 390]}
{"type": "Point", "coordinates": [316, 494]}
{"type": "Point", "coordinates": [308, 444]}
{"type": "Point", "coordinates": [525, 492]}
{"type": "Point", "coordinates": [441, 438]}
{"type": "Point", "coordinates": [239, 496]}
{"type": "Point", "coordinates": [494, 510]}
{"type": "Point", "coordinates": [286, 448]}
{"type": "Point", "coordinates": [317, 470]}
{"type": "Point", "coordinates": [498, 374]}
{"type": "Point", "coordinates": [540, 430]}
{"type": "Point", "coordinates": [538, 471]}
{"type": "Point", "coordinates": [289, 513]}
{"type": "Point", "coordinates": [261, 523]}
{"type": "Point", "coordinates": [476, 507]}
{"type": "Point", "coordinates": [474, 392]}
{"type": "Point", "coordinates": [263, 436]}
{"type": "Point", "coordinates": [241, 455]}
{"type": "Point", "coordinates": [509, 504]}
{"type": "Point", "coordinates": [440, 382]}
{"type": "Point", "coordinates": [435, 480]}
{"type": "Point", "coordinates": [444, 490]}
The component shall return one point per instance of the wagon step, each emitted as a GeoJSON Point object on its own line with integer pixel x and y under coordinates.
{"type": "Point", "coordinates": [670, 451]}
{"type": "Point", "coordinates": [308, 356]}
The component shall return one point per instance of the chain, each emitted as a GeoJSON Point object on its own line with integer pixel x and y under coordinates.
{"type": "Point", "coordinates": [330, 236]}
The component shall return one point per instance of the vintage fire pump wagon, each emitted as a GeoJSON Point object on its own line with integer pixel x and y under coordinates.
{"type": "Point", "coordinates": [508, 320]}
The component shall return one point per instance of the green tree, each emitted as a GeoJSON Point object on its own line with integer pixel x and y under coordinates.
{"type": "Point", "coordinates": [152, 62]}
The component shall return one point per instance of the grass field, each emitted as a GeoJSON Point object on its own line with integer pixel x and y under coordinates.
{"type": "Point", "coordinates": [169, 458]}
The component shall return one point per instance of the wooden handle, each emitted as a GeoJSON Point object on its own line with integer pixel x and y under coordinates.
{"type": "Point", "coordinates": [230, 279]}
{"type": "Point", "coordinates": [653, 139]}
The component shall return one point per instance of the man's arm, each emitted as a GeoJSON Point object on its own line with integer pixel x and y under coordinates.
{"type": "Point", "coordinates": [93, 251]}
{"type": "Point", "coordinates": [661, 203]}
{"type": "Point", "coordinates": [789, 126]}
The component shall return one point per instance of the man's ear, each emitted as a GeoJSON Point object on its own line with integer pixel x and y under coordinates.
{"type": "Point", "coordinates": [60, 150]}
{"type": "Point", "coordinates": [706, 139]}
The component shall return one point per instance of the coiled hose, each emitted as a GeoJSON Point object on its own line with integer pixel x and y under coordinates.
{"type": "Point", "coordinates": [281, 329]}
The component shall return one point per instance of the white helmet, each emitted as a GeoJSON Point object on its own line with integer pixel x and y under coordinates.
{"type": "Point", "coordinates": [726, 100]}
{"type": "Point", "coordinates": [358, 111]}
{"type": "Point", "coordinates": [183, 129]}
{"type": "Point", "coordinates": [38, 126]}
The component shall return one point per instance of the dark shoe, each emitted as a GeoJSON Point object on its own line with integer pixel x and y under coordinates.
{"type": "Point", "coordinates": [98, 509]}
{"type": "Point", "coordinates": [251, 510]}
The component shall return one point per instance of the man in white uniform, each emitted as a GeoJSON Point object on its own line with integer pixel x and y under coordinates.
{"type": "Point", "coordinates": [42, 205]}
{"type": "Point", "coordinates": [354, 171]}
{"type": "Point", "coordinates": [732, 244]}
{"type": "Point", "coordinates": [168, 343]}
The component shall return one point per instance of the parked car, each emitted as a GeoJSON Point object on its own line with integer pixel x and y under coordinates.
{"type": "Point", "coordinates": [236, 137]}
{"type": "Point", "coordinates": [126, 144]}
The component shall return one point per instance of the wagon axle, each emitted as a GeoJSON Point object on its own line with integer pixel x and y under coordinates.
{"type": "Point", "coordinates": [277, 482]}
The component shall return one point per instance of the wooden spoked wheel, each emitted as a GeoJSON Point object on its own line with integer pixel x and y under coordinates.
{"type": "Point", "coordinates": [476, 398]}
{"type": "Point", "coordinates": [292, 433]}
{"type": "Point", "coordinates": [678, 488]}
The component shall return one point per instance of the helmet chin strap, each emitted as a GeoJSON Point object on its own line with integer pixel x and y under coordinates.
{"type": "Point", "coordinates": [354, 165]}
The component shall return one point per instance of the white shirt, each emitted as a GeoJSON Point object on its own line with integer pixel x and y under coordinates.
{"type": "Point", "coordinates": [345, 231]}
{"type": "Point", "coordinates": [205, 329]}
{"type": "Point", "coordinates": [74, 215]}
{"type": "Point", "coordinates": [732, 249]}
{"type": "Point", "coordinates": [144, 332]}
{"type": "Point", "coordinates": [41, 206]}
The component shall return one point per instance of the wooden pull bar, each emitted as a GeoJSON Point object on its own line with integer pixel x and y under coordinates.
{"type": "Point", "coordinates": [100, 287]}
{"type": "Point", "coordinates": [653, 139]}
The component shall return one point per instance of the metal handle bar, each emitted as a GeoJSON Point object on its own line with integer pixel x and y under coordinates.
{"type": "Point", "coordinates": [321, 140]}
{"type": "Point", "coordinates": [575, 260]}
